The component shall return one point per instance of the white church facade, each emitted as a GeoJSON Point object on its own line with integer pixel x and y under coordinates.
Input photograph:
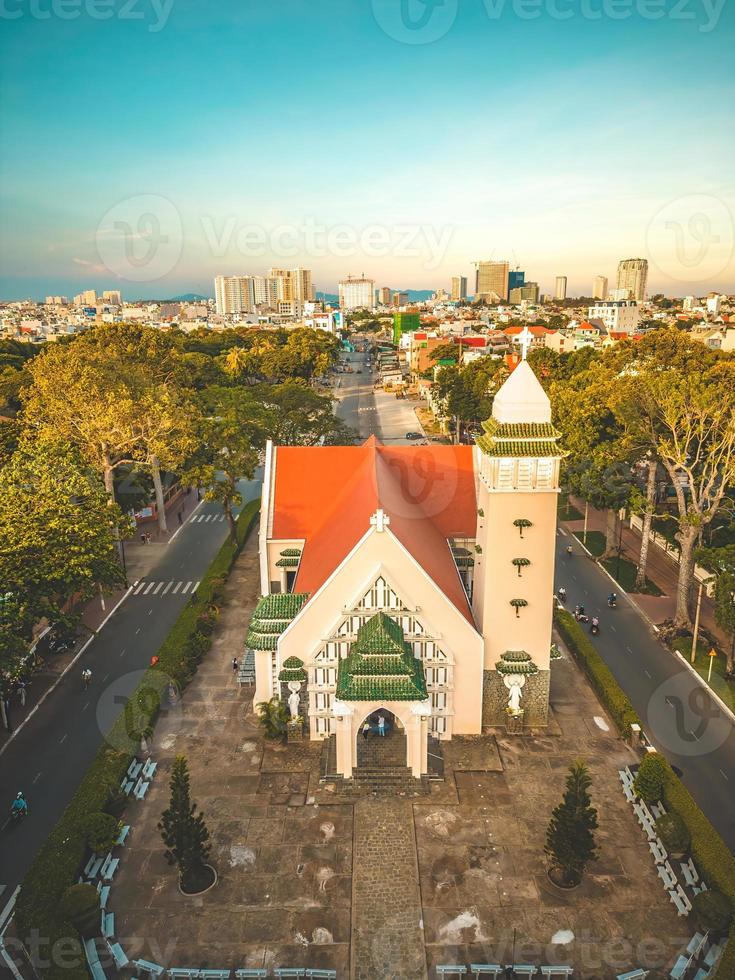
{"type": "Point", "coordinates": [413, 583]}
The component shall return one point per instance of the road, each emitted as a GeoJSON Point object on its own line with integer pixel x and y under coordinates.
{"type": "Point", "coordinates": [679, 716]}
{"type": "Point", "coordinates": [48, 756]}
{"type": "Point", "coordinates": [371, 412]}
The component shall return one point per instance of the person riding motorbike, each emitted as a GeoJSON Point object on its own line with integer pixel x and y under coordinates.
{"type": "Point", "coordinates": [562, 593]}
{"type": "Point", "coordinates": [569, 549]}
{"type": "Point", "coordinates": [20, 807]}
{"type": "Point", "coordinates": [86, 677]}
{"type": "Point", "coordinates": [595, 625]}
{"type": "Point", "coordinates": [612, 600]}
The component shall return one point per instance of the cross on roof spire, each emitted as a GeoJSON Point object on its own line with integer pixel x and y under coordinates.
{"type": "Point", "coordinates": [525, 337]}
{"type": "Point", "coordinates": [380, 520]}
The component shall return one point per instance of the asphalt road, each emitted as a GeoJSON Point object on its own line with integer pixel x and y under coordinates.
{"type": "Point", "coordinates": [49, 755]}
{"type": "Point", "coordinates": [371, 412]}
{"type": "Point", "coordinates": [679, 716]}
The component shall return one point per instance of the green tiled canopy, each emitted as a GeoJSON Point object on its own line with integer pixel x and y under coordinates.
{"type": "Point", "coordinates": [516, 662]}
{"type": "Point", "coordinates": [381, 666]}
{"type": "Point", "coordinates": [292, 670]}
{"type": "Point", "coordinates": [271, 617]}
{"type": "Point", "coordinates": [519, 439]}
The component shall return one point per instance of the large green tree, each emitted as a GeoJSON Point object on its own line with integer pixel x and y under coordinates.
{"type": "Point", "coordinates": [183, 830]}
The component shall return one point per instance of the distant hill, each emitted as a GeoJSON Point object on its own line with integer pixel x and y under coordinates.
{"type": "Point", "coordinates": [419, 295]}
{"type": "Point", "coordinates": [332, 298]}
{"type": "Point", "coordinates": [188, 298]}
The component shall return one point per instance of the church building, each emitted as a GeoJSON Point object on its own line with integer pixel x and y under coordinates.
{"type": "Point", "coordinates": [412, 584]}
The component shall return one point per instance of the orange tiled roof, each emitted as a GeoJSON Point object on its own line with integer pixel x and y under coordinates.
{"type": "Point", "coordinates": [326, 495]}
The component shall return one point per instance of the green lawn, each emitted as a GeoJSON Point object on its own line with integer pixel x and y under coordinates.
{"type": "Point", "coordinates": [567, 511]}
{"type": "Point", "coordinates": [594, 541]}
{"type": "Point", "coordinates": [726, 689]}
{"type": "Point", "coordinates": [625, 577]}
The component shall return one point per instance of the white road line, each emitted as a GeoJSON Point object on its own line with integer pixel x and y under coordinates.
{"type": "Point", "coordinates": [562, 531]}
{"type": "Point", "coordinates": [178, 586]}
{"type": "Point", "coordinates": [105, 678]}
{"type": "Point", "coordinates": [196, 586]}
{"type": "Point", "coordinates": [724, 776]}
{"type": "Point", "coordinates": [150, 611]}
{"type": "Point", "coordinates": [168, 587]}
{"type": "Point", "coordinates": [85, 706]}
{"type": "Point", "coordinates": [207, 518]}
{"type": "Point", "coordinates": [628, 649]}
{"type": "Point", "coordinates": [158, 588]}
{"type": "Point", "coordinates": [149, 588]}
{"type": "Point", "coordinates": [612, 627]}
{"type": "Point", "coordinates": [221, 517]}
{"type": "Point", "coordinates": [63, 674]}
{"type": "Point", "coordinates": [138, 630]}
{"type": "Point", "coordinates": [63, 738]}
{"type": "Point", "coordinates": [186, 588]}
{"type": "Point", "coordinates": [139, 588]}
{"type": "Point", "coordinates": [36, 778]}
{"type": "Point", "coordinates": [646, 673]}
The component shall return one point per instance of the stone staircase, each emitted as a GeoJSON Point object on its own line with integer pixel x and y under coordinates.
{"type": "Point", "coordinates": [386, 780]}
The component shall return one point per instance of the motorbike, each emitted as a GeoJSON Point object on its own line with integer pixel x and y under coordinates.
{"type": "Point", "coordinates": [595, 629]}
{"type": "Point", "coordinates": [17, 814]}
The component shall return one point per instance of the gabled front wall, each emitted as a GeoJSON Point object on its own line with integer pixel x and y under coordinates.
{"type": "Point", "coordinates": [381, 553]}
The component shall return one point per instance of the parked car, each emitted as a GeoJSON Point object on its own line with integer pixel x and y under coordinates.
{"type": "Point", "coordinates": [414, 435]}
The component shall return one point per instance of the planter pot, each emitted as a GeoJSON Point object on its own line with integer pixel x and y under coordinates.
{"type": "Point", "coordinates": [558, 884]}
{"type": "Point", "coordinates": [202, 891]}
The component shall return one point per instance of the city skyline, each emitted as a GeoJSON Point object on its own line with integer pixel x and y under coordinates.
{"type": "Point", "coordinates": [469, 180]}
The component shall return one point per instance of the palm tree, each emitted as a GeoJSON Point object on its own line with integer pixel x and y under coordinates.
{"type": "Point", "coordinates": [273, 717]}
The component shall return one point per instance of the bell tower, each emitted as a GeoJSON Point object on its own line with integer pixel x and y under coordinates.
{"type": "Point", "coordinates": [517, 461]}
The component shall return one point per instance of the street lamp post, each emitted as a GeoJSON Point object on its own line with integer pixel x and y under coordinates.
{"type": "Point", "coordinates": [695, 634]}
{"type": "Point", "coordinates": [620, 544]}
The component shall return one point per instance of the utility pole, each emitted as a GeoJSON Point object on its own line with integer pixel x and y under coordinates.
{"type": "Point", "coordinates": [695, 634]}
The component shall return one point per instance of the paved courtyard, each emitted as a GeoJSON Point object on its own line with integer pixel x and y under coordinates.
{"type": "Point", "coordinates": [310, 875]}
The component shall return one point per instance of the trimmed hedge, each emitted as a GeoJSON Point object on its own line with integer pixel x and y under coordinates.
{"type": "Point", "coordinates": [56, 866]}
{"type": "Point", "coordinates": [712, 856]}
{"type": "Point", "coordinates": [598, 673]}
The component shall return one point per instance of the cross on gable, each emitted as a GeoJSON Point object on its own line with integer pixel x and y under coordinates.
{"type": "Point", "coordinates": [380, 520]}
{"type": "Point", "coordinates": [525, 337]}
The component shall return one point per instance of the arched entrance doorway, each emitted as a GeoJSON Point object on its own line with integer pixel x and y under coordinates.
{"type": "Point", "coordinates": [381, 746]}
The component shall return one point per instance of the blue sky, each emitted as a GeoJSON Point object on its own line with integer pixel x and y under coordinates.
{"type": "Point", "coordinates": [242, 135]}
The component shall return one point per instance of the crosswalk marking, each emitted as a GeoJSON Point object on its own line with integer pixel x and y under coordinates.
{"type": "Point", "coordinates": [206, 518]}
{"type": "Point", "coordinates": [161, 588]}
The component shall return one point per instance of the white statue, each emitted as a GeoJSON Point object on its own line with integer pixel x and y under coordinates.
{"type": "Point", "coordinates": [514, 683]}
{"type": "Point", "coordinates": [293, 704]}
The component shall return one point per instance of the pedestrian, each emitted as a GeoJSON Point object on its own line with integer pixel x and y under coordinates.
{"type": "Point", "coordinates": [143, 537]}
{"type": "Point", "coordinates": [366, 730]}
{"type": "Point", "coordinates": [5, 706]}
{"type": "Point", "coordinates": [181, 518]}
{"type": "Point", "coordinates": [381, 725]}
{"type": "Point", "coordinates": [22, 693]}
{"type": "Point", "coordinates": [235, 665]}
{"type": "Point", "coordinates": [86, 677]}
{"type": "Point", "coordinates": [147, 537]}
{"type": "Point", "coordinates": [154, 660]}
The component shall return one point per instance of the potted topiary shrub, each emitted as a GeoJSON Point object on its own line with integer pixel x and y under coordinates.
{"type": "Point", "coordinates": [673, 833]}
{"type": "Point", "coordinates": [80, 905]}
{"type": "Point", "coordinates": [649, 780]}
{"type": "Point", "coordinates": [712, 911]}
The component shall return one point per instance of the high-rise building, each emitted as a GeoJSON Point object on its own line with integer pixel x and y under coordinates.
{"type": "Point", "coordinates": [599, 287]}
{"type": "Point", "coordinates": [265, 291]}
{"type": "Point", "coordinates": [527, 293]}
{"type": "Point", "coordinates": [56, 301]}
{"type": "Point", "coordinates": [400, 298]}
{"type": "Point", "coordinates": [491, 281]}
{"type": "Point", "coordinates": [86, 298]}
{"type": "Point", "coordinates": [622, 316]}
{"type": "Point", "coordinates": [405, 322]}
{"type": "Point", "coordinates": [293, 284]}
{"type": "Point", "coordinates": [633, 276]}
{"type": "Point", "coordinates": [234, 294]}
{"type": "Point", "coordinates": [560, 287]}
{"type": "Point", "coordinates": [384, 295]}
{"type": "Point", "coordinates": [356, 292]}
{"type": "Point", "coordinates": [516, 278]}
{"type": "Point", "coordinates": [459, 287]}
{"type": "Point", "coordinates": [112, 296]}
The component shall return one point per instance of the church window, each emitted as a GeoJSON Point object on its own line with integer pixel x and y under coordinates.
{"type": "Point", "coordinates": [525, 474]}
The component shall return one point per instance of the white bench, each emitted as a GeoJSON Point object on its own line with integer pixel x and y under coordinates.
{"type": "Point", "coordinates": [666, 875]}
{"type": "Point", "coordinates": [629, 793]}
{"type": "Point", "coordinates": [118, 955]}
{"type": "Point", "coordinates": [107, 924]}
{"type": "Point", "coordinates": [141, 788]}
{"type": "Point", "coordinates": [251, 973]}
{"type": "Point", "coordinates": [214, 974]}
{"type": "Point", "coordinates": [152, 969]}
{"type": "Point", "coordinates": [691, 875]}
{"type": "Point", "coordinates": [108, 869]}
{"type": "Point", "coordinates": [290, 971]}
{"type": "Point", "coordinates": [679, 968]}
{"type": "Point", "coordinates": [123, 835]}
{"type": "Point", "coordinates": [486, 970]}
{"type": "Point", "coordinates": [524, 970]}
{"type": "Point", "coordinates": [149, 769]}
{"type": "Point", "coordinates": [556, 971]}
{"type": "Point", "coordinates": [127, 786]}
{"type": "Point", "coordinates": [316, 972]}
{"type": "Point", "coordinates": [658, 810]}
{"type": "Point", "coordinates": [713, 955]}
{"type": "Point", "coordinates": [637, 974]}
{"type": "Point", "coordinates": [92, 868]}
{"type": "Point", "coordinates": [696, 943]}
{"type": "Point", "coordinates": [449, 970]}
{"type": "Point", "coordinates": [95, 967]}
{"type": "Point", "coordinates": [658, 851]}
{"type": "Point", "coordinates": [183, 973]}
{"type": "Point", "coordinates": [682, 906]}
{"type": "Point", "coordinates": [134, 769]}
{"type": "Point", "coordinates": [698, 889]}
{"type": "Point", "coordinates": [104, 894]}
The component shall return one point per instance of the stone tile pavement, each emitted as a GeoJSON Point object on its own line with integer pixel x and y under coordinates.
{"type": "Point", "coordinates": [312, 876]}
